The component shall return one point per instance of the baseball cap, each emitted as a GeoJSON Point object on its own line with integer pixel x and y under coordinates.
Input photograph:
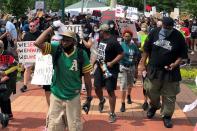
{"type": "Point", "coordinates": [104, 27]}
{"type": "Point", "coordinates": [70, 34]}
{"type": "Point", "coordinates": [168, 21]}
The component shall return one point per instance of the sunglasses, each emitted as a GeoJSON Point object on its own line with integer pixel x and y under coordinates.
{"type": "Point", "coordinates": [32, 26]}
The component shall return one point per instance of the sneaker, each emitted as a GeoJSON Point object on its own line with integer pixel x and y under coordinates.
{"type": "Point", "coordinates": [112, 117]}
{"type": "Point", "coordinates": [151, 112]}
{"type": "Point", "coordinates": [101, 105]}
{"type": "Point", "coordinates": [23, 88]}
{"type": "Point", "coordinates": [122, 109]}
{"type": "Point", "coordinates": [167, 122]}
{"type": "Point", "coordinates": [5, 121]}
{"type": "Point", "coordinates": [192, 53]}
{"type": "Point", "coordinates": [129, 100]}
{"type": "Point", "coordinates": [145, 106]}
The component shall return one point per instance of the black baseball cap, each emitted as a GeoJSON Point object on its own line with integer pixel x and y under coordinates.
{"type": "Point", "coordinates": [168, 21]}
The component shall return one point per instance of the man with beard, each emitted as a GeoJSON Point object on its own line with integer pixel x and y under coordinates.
{"type": "Point", "coordinates": [109, 54]}
{"type": "Point", "coordinates": [65, 107]}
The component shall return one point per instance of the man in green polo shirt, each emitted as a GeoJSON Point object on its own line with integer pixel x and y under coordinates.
{"type": "Point", "coordinates": [65, 107]}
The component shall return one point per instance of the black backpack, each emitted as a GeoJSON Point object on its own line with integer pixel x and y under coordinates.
{"type": "Point", "coordinates": [58, 53]}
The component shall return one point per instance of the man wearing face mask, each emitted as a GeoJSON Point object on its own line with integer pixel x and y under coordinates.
{"type": "Point", "coordinates": [109, 54]}
{"type": "Point", "coordinates": [112, 28]}
{"type": "Point", "coordinates": [65, 106]}
{"type": "Point", "coordinates": [86, 42]}
{"type": "Point", "coordinates": [165, 47]}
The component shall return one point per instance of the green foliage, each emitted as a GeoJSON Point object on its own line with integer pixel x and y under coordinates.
{"type": "Point", "coordinates": [189, 6]}
{"type": "Point", "coordinates": [189, 73]}
{"type": "Point", "coordinates": [15, 7]}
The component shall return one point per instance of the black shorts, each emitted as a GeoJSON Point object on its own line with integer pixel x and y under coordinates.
{"type": "Point", "coordinates": [193, 36]}
{"type": "Point", "coordinates": [47, 87]}
{"type": "Point", "coordinates": [109, 83]}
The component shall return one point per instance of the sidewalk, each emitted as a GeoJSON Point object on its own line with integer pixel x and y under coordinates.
{"type": "Point", "coordinates": [30, 110]}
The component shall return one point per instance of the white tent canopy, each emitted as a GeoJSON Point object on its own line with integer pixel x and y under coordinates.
{"type": "Point", "coordinates": [89, 6]}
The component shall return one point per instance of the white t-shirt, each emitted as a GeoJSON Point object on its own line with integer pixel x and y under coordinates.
{"type": "Point", "coordinates": [10, 27]}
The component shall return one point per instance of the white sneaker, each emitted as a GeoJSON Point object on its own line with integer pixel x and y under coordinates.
{"type": "Point", "coordinates": [192, 53]}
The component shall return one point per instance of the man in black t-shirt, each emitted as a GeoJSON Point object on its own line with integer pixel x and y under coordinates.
{"type": "Point", "coordinates": [109, 54]}
{"type": "Point", "coordinates": [165, 47]}
{"type": "Point", "coordinates": [32, 35]}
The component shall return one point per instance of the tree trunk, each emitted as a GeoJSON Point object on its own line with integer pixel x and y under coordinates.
{"type": "Point", "coordinates": [113, 4]}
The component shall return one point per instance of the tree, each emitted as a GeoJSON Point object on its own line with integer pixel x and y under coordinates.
{"type": "Point", "coordinates": [16, 8]}
{"type": "Point", "coordinates": [188, 6]}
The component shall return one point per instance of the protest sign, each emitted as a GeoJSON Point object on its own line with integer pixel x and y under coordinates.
{"type": "Point", "coordinates": [107, 15]}
{"type": "Point", "coordinates": [126, 24]}
{"type": "Point", "coordinates": [27, 51]}
{"type": "Point", "coordinates": [176, 12]}
{"type": "Point", "coordinates": [43, 70]}
{"type": "Point", "coordinates": [154, 10]}
{"type": "Point", "coordinates": [120, 11]}
{"type": "Point", "coordinates": [75, 28]}
{"type": "Point", "coordinates": [126, 11]}
{"type": "Point", "coordinates": [39, 5]}
{"type": "Point", "coordinates": [6, 59]}
{"type": "Point", "coordinates": [196, 80]}
{"type": "Point", "coordinates": [190, 107]}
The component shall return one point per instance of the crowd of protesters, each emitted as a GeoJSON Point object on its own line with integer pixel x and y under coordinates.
{"type": "Point", "coordinates": [162, 43]}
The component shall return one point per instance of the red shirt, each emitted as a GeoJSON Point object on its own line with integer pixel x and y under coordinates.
{"type": "Point", "coordinates": [186, 31]}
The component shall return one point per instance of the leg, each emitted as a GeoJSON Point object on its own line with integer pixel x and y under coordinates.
{"type": "Point", "coordinates": [112, 100]}
{"type": "Point", "coordinates": [111, 84]}
{"type": "Point", "coordinates": [47, 95]}
{"type": "Point", "coordinates": [47, 89]}
{"type": "Point", "coordinates": [168, 105]}
{"type": "Point", "coordinates": [131, 79]}
{"type": "Point", "coordinates": [153, 91]}
{"type": "Point", "coordinates": [73, 114]}
{"type": "Point", "coordinates": [55, 121]}
{"type": "Point", "coordinates": [27, 75]}
{"type": "Point", "coordinates": [169, 92]}
{"type": "Point", "coordinates": [98, 84]}
{"type": "Point", "coordinates": [6, 108]}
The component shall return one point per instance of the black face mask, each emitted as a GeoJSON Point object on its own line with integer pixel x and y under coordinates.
{"type": "Point", "coordinates": [68, 48]}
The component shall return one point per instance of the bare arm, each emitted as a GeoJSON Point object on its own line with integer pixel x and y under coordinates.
{"type": "Point", "coordinates": [88, 44]}
{"type": "Point", "coordinates": [41, 39]}
{"type": "Point", "coordinates": [4, 35]}
{"type": "Point", "coordinates": [88, 83]}
{"type": "Point", "coordinates": [143, 60]}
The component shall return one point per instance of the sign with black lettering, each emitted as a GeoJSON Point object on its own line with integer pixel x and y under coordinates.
{"type": "Point", "coordinates": [43, 70]}
{"type": "Point", "coordinates": [27, 51]}
{"type": "Point", "coordinates": [123, 24]}
{"type": "Point", "coordinates": [75, 28]}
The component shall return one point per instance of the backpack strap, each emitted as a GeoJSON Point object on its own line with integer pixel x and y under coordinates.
{"type": "Point", "coordinates": [80, 60]}
{"type": "Point", "coordinates": [58, 53]}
